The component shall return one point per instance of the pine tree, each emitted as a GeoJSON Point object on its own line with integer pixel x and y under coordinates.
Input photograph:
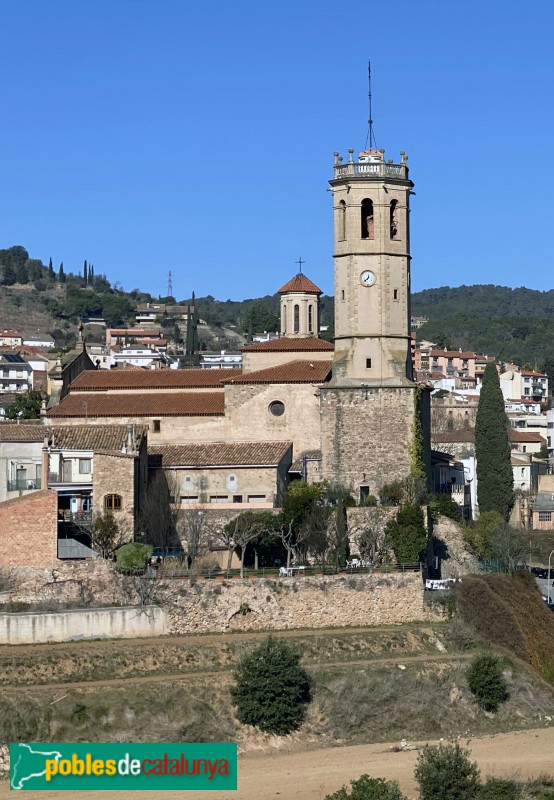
{"type": "Point", "coordinates": [495, 479]}
{"type": "Point", "coordinates": [85, 272]}
{"type": "Point", "coordinates": [61, 274]}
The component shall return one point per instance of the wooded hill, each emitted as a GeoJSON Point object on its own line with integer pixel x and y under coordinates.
{"type": "Point", "coordinates": [511, 324]}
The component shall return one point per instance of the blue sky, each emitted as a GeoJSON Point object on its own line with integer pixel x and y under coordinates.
{"type": "Point", "coordinates": [198, 137]}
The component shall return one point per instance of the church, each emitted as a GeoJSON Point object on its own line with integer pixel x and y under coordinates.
{"type": "Point", "coordinates": [300, 407]}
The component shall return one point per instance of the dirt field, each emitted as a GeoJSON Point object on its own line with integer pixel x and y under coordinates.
{"type": "Point", "coordinates": [310, 775]}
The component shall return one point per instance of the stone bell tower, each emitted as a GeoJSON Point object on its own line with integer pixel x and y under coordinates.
{"type": "Point", "coordinates": [368, 408]}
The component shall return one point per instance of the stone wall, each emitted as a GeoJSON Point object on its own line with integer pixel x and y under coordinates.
{"type": "Point", "coordinates": [76, 624]}
{"type": "Point", "coordinates": [250, 604]}
{"type": "Point", "coordinates": [318, 602]}
{"type": "Point", "coordinates": [29, 530]}
{"type": "Point", "coordinates": [365, 435]}
{"type": "Point", "coordinates": [117, 474]}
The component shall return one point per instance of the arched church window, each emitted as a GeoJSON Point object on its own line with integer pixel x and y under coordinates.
{"type": "Point", "coordinates": [310, 319]}
{"type": "Point", "coordinates": [284, 319]}
{"type": "Point", "coordinates": [342, 220]}
{"type": "Point", "coordinates": [368, 226]}
{"type": "Point", "coordinates": [393, 219]}
{"type": "Point", "coordinates": [297, 318]}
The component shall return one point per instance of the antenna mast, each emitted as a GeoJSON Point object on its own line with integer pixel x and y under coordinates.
{"type": "Point", "coordinates": [169, 285]}
{"type": "Point", "coordinates": [370, 138]}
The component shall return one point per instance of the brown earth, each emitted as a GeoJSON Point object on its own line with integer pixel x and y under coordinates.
{"type": "Point", "coordinates": [311, 774]}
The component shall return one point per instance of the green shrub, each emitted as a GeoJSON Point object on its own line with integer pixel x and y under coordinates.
{"type": "Point", "coordinates": [366, 788]}
{"type": "Point", "coordinates": [485, 679]}
{"type": "Point", "coordinates": [133, 557]}
{"type": "Point", "coordinates": [272, 689]}
{"type": "Point", "coordinates": [443, 505]}
{"type": "Point", "coordinates": [500, 789]}
{"type": "Point", "coordinates": [391, 494]}
{"type": "Point", "coordinates": [444, 772]}
{"type": "Point", "coordinates": [407, 534]}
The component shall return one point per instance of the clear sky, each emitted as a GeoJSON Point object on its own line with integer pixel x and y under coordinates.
{"type": "Point", "coordinates": [198, 137]}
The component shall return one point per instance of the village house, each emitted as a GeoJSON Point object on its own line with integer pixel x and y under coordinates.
{"type": "Point", "coordinates": [54, 482]}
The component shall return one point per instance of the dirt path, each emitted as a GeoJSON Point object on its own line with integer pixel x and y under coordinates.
{"type": "Point", "coordinates": [191, 639]}
{"type": "Point", "coordinates": [310, 775]}
{"type": "Point", "coordinates": [225, 674]}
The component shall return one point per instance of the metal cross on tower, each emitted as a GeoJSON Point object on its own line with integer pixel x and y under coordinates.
{"type": "Point", "coordinates": [300, 262]}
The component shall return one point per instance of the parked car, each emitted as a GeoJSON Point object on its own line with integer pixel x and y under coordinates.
{"type": "Point", "coordinates": [539, 572]}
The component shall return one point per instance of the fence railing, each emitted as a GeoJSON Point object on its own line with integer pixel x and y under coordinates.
{"type": "Point", "coordinates": [178, 571]}
{"type": "Point", "coordinates": [24, 485]}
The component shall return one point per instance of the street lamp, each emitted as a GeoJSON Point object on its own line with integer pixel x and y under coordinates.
{"type": "Point", "coordinates": [548, 578]}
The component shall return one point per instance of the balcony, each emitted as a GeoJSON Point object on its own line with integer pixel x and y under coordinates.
{"type": "Point", "coordinates": [24, 485]}
{"type": "Point", "coordinates": [381, 169]}
{"type": "Point", "coordinates": [59, 477]}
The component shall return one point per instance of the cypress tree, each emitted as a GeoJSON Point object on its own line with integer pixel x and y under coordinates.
{"type": "Point", "coordinates": [61, 274]}
{"type": "Point", "coordinates": [85, 272]}
{"type": "Point", "coordinates": [495, 479]}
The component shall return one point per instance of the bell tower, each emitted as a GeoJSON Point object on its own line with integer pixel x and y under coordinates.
{"type": "Point", "coordinates": [374, 417]}
{"type": "Point", "coordinates": [372, 270]}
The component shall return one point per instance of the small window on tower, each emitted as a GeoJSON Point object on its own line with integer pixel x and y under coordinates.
{"type": "Point", "coordinates": [310, 319]}
{"type": "Point", "coordinates": [368, 228]}
{"type": "Point", "coordinates": [368, 363]}
{"type": "Point", "coordinates": [395, 294]}
{"type": "Point", "coordinates": [156, 425]}
{"type": "Point", "coordinates": [296, 318]}
{"type": "Point", "coordinates": [393, 219]}
{"type": "Point", "coordinates": [342, 221]}
{"type": "Point", "coordinates": [342, 294]}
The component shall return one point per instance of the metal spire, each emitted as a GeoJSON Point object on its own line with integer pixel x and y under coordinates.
{"type": "Point", "coordinates": [370, 138]}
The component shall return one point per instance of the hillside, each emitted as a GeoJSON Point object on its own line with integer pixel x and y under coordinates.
{"type": "Point", "coordinates": [511, 324]}
{"type": "Point", "coordinates": [508, 613]}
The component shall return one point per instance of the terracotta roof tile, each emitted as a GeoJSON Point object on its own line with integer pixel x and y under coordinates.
{"type": "Point", "coordinates": [140, 404]}
{"type": "Point", "coordinates": [103, 380]}
{"type": "Point", "coordinates": [300, 283]}
{"type": "Point", "coordinates": [309, 455]}
{"type": "Point", "coordinates": [74, 437]}
{"type": "Point", "coordinates": [293, 372]}
{"type": "Point", "coordinates": [25, 432]}
{"type": "Point", "coordinates": [289, 344]}
{"type": "Point", "coordinates": [515, 436]}
{"type": "Point", "coordinates": [218, 454]}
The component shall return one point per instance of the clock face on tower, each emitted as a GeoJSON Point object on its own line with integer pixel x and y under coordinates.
{"type": "Point", "coordinates": [368, 278]}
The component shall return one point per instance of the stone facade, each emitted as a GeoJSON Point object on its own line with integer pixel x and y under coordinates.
{"type": "Point", "coordinates": [120, 474]}
{"type": "Point", "coordinates": [366, 434]}
{"type": "Point", "coordinates": [29, 530]}
{"type": "Point", "coordinates": [231, 487]}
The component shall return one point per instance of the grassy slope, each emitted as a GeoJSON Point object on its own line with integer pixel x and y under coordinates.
{"type": "Point", "coordinates": [508, 612]}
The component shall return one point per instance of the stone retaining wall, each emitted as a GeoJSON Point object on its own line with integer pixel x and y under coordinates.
{"type": "Point", "coordinates": [251, 604]}
{"type": "Point", "coordinates": [318, 602]}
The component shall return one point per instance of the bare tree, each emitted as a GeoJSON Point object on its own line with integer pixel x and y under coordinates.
{"type": "Point", "coordinates": [160, 510]}
{"type": "Point", "coordinates": [244, 529]}
{"type": "Point", "coordinates": [194, 526]}
{"type": "Point", "coordinates": [508, 545]}
{"type": "Point", "coordinates": [316, 532]}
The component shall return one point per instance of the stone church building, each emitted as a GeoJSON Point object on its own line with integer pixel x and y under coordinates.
{"type": "Point", "coordinates": [300, 406]}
